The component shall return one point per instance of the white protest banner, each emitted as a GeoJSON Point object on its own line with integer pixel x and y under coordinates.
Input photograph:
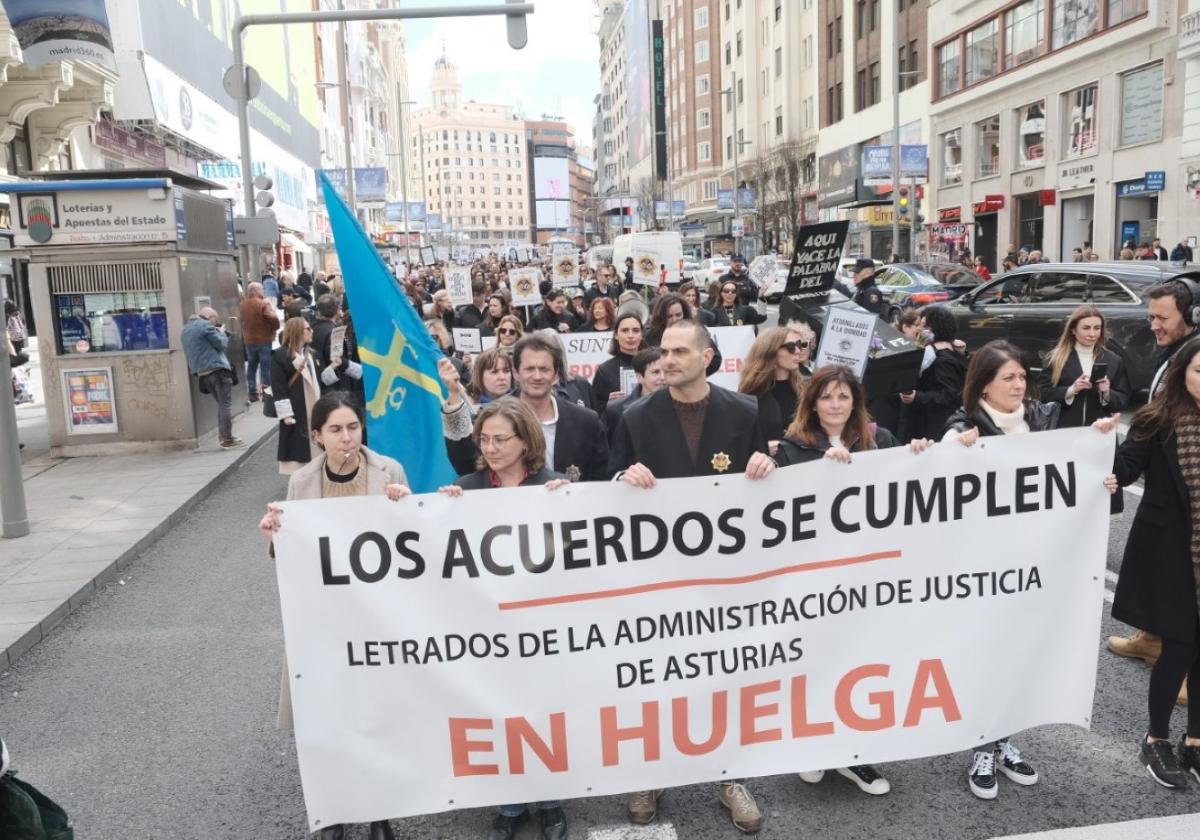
{"type": "Point", "coordinates": [846, 339]}
{"type": "Point", "coordinates": [566, 268]}
{"type": "Point", "coordinates": [587, 351]}
{"type": "Point", "coordinates": [468, 340]}
{"type": "Point", "coordinates": [526, 644]}
{"type": "Point", "coordinates": [525, 285]}
{"type": "Point", "coordinates": [458, 284]}
{"type": "Point", "coordinates": [428, 255]}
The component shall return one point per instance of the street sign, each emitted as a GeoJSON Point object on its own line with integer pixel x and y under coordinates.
{"type": "Point", "coordinates": [737, 229]}
{"type": "Point", "coordinates": [255, 230]}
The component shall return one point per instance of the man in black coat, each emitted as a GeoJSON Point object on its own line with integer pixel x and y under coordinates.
{"type": "Point", "coordinates": [606, 285]}
{"type": "Point", "coordinates": [691, 428]}
{"type": "Point", "coordinates": [554, 314]}
{"type": "Point", "coordinates": [575, 443]}
{"type": "Point", "coordinates": [335, 369]}
{"type": "Point", "coordinates": [472, 315]}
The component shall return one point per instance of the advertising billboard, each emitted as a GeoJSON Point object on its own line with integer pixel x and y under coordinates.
{"type": "Point", "coordinates": [551, 178]}
{"type": "Point", "coordinates": [60, 30]}
{"type": "Point", "coordinates": [837, 175]}
{"type": "Point", "coordinates": [552, 215]}
{"type": "Point", "coordinates": [192, 40]}
{"type": "Point", "coordinates": [639, 81]}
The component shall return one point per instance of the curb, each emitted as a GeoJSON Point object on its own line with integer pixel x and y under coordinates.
{"type": "Point", "coordinates": [41, 630]}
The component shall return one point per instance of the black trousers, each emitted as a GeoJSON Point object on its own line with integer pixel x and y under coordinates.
{"type": "Point", "coordinates": [1178, 661]}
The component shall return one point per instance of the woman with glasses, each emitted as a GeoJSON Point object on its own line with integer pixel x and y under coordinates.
{"type": "Point", "coordinates": [508, 330]}
{"type": "Point", "coordinates": [295, 390]}
{"type": "Point", "coordinates": [730, 312]}
{"type": "Point", "coordinates": [627, 341]}
{"type": "Point", "coordinates": [513, 454]}
{"type": "Point", "coordinates": [772, 374]}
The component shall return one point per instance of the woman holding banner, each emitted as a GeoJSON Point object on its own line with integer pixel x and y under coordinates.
{"type": "Point", "coordinates": [343, 467]}
{"type": "Point", "coordinates": [996, 402]}
{"type": "Point", "coordinates": [627, 341]}
{"type": "Point", "coordinates": [513, 454]}
{"type": "Point", "coordinates": [1158, 590]}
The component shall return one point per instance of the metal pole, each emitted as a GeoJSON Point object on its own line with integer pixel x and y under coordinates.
{"type": "Point", "coordinates": [250, 252]}
{"type": "Point", "coordinates": [403, 175]}
{"type": "Point", "coordinates": [424, 195]}
{"type": "Point", "coordinates": [344, 96]}
{"type": "Point", "coordinates": [737, 148]}
{"type": "Point", "coordinates": [895, 130]}
{"type": "Point", "coordinates": [12, 485]}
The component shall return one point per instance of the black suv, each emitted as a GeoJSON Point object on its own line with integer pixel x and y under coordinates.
{"type": "Point", "coordinates": [1030, 304]}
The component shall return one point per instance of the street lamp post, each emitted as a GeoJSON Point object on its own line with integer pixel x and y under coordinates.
{"type": "Point", "coordinates": [400, 103]}
{"type": "Point", "coordinates": [737, 148]}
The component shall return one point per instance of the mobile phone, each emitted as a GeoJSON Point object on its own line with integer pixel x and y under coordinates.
{"type": "Point", "coordinates": [1099, 371]}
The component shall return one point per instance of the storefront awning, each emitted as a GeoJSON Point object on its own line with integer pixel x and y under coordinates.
{"type": "Point", "coordinates": [292, 241]}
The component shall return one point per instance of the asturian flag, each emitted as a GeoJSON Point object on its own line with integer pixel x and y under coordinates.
{"type": "Point", "coordinates": [399, 358]}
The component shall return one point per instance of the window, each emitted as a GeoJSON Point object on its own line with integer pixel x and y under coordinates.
{"type": "Point", "coordinates": [1080, 115]}
{"type": "Point", "coordinates": [860, 89]}
{"type": "Point", "coordinates": [948, 67]}
{"type": "Point", "coordinates": [710, 190]}
{"type": "Point", "coordinates": [739, 43]}
{"type": "Point", "coordinates": [1024, 33]}
{"type": "Point", "coordinates": [779, 9]}
{"type": "Point", "coordinates": [987, 160]}
{"type": "Point", "coordinates": [860, 19]}
{"type": "Point", "coordinates": [779, 121]}
{"type": "Point", "coordinates": [1074, 20]}
{"type": "Point", "coordinates": [809, 51]}
{"type": "Point", "coordinates": [982, 45]}
{"type": "Point", "coordinates": [830, 41]}
{"type": "Point", "coordinates": [702, 85]}
{"type": "Point", "coordinates": [1059, 287]}
{"type": "Point", "coordinates": [876, 90]}
{"type": "Point", "coordinates": [1107, 290]}
{"type": "Point", "coordinates": [1141, 105]}
{"type": "Point", "coordinates": [1011, 289]}
{"type": "Point", "coordinates": [1123, 10]}
{"type": "Point", "coordinates": [914, 65]}
{"type": "Point", "coordinates": [729, 147]}
{"type": "Point", "coordinates": [740, 91]}
{"type": "Point", "coordinates": [874, 15]}
{"type": "Point", "coordinates": [728, 53]}
{"type": "Point", "coordinates": [837, 31]}
{"type": "Point", "coordinates": [1031, 135]}
{"type": "Point", "coordinates": [114, 322]}
{"type": "Point", "coordinates": [704, 152]}
{"type": "Point", "coordinates": [806, 113]}
{"type": "Point", "coordinates": [701, 18]}
{"type": "Point", "coordinates": [952, 157]}
{"type": "Point", "coordinates": [701, 52]}
{"type": "Point", "coordinates": [779, 62]}
{"type": "Point", "coordinates": [703, 119]}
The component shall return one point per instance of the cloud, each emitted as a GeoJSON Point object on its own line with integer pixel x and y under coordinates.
{"type": "Point", "coordinates": [557, 72]}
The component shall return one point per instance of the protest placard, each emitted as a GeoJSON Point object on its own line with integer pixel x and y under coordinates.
{"type": "Point", "coordinates": [468, 340]}
{"type": "Point", "coordinates": [566, 267]}
{"type": "Point", "coordinates": [846, 339]}
{"type": "Point", "coordinates": [428, 255]}
{"type": "Point", "coordinates": [525, 283]}
{"type": "Point", "coordinates": [458, 284]}
{"type": "Point", "coordinates": [711, 628]}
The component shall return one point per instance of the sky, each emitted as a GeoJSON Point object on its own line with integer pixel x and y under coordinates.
{"type": "Point", "coordinates": [558, 71]}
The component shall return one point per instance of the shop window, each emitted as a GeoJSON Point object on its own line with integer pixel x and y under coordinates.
{"type": "Point", "coordinates": [987, 161]}
{"type": "Point", "coordinates": [983, 42]}
{"type": "Point", "coordinates": [949, 60]}
{"type": "Point", "coordinates": [1123, 10]}
{"type": "Point", "coordinates": [1074, 20]}
{"type": "Point", "coordinates": [110, 322]}
{"type": "Point", "coordinates": [1025, 33]}
{"type": "Point", "coordinates": [1141, 105]}
{"type": "Point", "coordinates": [952, 157]}
{"type": "Point", "coordinates": [1031, 135]}
{"type": "Point", "coordinates": [1080, 114]}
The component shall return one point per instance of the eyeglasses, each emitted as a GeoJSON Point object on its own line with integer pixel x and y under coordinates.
{"type": "Point", "coordinates": [507, 331]}
{"type": "Point", "coordinates": [729, 291]}
{"type": "Point", "coordinates": [795, 346]}
{"type": "Point", "coordinates": [499, 440]}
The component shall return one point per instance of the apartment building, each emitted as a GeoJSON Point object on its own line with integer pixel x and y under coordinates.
{"type": "Point", "coordinates": [561, 181]}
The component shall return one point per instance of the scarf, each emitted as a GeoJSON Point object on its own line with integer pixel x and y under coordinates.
{"type": "Point", "coordinates": [1009, 423]}
{"type": "Point", "coordinates": [1187, 432]}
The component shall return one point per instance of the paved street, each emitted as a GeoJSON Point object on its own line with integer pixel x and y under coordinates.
{"type": "Point", "coordinates": [150, 714]}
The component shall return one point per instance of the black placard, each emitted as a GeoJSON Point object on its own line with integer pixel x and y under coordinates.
{"type": "Point", "coordinates": [815, 261]}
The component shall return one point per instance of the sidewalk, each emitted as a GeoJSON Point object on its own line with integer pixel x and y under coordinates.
{"type": "Point", "coordinates": [89, 517]}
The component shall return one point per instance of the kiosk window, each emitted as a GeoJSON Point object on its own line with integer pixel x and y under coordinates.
{"type": "Point", "coordinates": [107, 322]}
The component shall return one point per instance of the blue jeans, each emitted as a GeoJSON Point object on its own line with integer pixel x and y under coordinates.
{"type": "Point", "coordinates": [258, 366]}
{"type": "Point", "coordinates": [518, 810]}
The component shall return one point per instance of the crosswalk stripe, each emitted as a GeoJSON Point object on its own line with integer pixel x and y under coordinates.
{"type": "Point", "coordinates": [658, 831]}
{"type": "Point", "coordinates": [1155, 828]}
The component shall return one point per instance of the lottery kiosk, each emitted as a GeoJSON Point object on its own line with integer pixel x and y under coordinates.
{"type": "Point", "coordinates": [118, 261]}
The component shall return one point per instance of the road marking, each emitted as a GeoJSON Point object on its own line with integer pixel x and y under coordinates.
{"type": "Point", "coordinates": [658, 831]}
{"type": "Point", "coordinates": [1135, 489]}
{"type": "Point", "coordinates": [1155, 828]}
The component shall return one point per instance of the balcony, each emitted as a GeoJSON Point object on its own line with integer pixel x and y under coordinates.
{"type": "Point", "coordinates": [1189, 36]}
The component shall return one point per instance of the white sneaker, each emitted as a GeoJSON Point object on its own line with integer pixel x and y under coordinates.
{"type": "Point", "coordinates": [812, 776]}
{"type": "Point", "coordinates": [867, 779]}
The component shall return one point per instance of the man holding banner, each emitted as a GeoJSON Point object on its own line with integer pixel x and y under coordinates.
{"type": "Point", "coordinates": [691, 428]}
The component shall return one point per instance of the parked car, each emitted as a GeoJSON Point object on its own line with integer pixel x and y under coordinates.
{"type": "Point", "coordinates": [710, 271]}
{"type": "Point", "coordinates": [1030, 304]}
{"type": "Point", "coordinates": [917, 284]}
{"type": "Point", "coordinates": [688, 268]}
{"type": "Point", "coordinates": [845, 273]}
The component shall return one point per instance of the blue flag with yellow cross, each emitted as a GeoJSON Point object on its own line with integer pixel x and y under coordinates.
{"type": "Point", "coordinates": [399, 358]}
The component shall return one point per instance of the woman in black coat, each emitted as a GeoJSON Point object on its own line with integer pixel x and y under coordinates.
{"type": "Point", "coordinates": [729, 313]}
{"type": "Point", "coordinates": [295, 389]}
{"type": "Point", "coordinates": [832, 421]}
{"type": "Point", "coordinates": [939, 390]}
{"type": "Point", "coordinates": [1159, 585]}
{"type": "Point", "coordinates": [1081, 374]}
{"type": "Point", "coordinates": [627, 341]}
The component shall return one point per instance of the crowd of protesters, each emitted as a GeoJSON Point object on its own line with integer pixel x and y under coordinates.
{"type": "Point", "coordinates": [514, 415]}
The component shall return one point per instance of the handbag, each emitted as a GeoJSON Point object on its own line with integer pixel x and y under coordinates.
{"type": "Point", "coordinates": [18, 360]}
{"type": "Point", "coordinates": [269, 404]}
{"type": "Point", "coordinates": [202, 384]}
{"type": "Point", "coordinates": [28, 814]}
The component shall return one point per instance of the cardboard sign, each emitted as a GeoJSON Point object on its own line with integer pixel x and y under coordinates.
{"type": "Point", "coordinates": [815, 261]}
{"type": "Point", "coordinates": [428, 256]}
{"type": "Point", "coordinates": [468, 340]}
{"type": "Point", "coordinates": [524, 283]}
{"type": "Point", "coordinates": [337, 343]}
{"type": "Point", "coordinates": [628, 380]}
{"type": "Point", "coordinates": [846, 339]}
{"type": "Point", "coordinates": [458, 284]}
{"type": "Point", "coordinates": [566, 268]}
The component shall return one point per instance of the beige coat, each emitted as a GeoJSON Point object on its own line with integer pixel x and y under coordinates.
{"type": "Point", "coordinates": [305, 483]}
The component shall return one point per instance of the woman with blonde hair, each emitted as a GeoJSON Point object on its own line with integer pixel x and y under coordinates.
{"type": "Point", "coordinates": [295, 389]}
{"type": "Point", "coordinates": [1082, 374]}
{"type": "Point", "coordinates": [772, 374]}
{"type": "Point", "coordinates": [509, 330]}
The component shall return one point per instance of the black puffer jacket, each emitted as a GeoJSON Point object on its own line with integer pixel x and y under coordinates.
{"type": "Point", "coordinates": [1041, 417]}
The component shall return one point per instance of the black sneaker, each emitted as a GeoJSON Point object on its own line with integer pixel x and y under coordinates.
{"type": "Point", "coordinates": [554, 824]}
{"type": "Point", "coordinates": [982, 778]}
{"type": "Point", "coordinates": [1158, 757]}
{"type": "Point", "coordinates": [867, 779]}
{"type": "Point", "coordinates": [503, 828]}
{"type": "Point", "coordinates": [1008, 762]}
{"type": "Point", "coordinates": [1189, 757]}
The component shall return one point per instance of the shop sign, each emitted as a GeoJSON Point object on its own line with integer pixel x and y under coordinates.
{"type": "Point", "coordinates": [87, 217]}
{"type": "Point", "coordinates": [950, 214]}
{"type": "Point", "coordinates": [1074, 176]}
{"type": "Point", "coordinates": [88, 399]}
{"type": "Point", "coordinates": [1150, 182]}
{"type": "Point", "coordinates": [837, 175]}
{"type": "Point", "coordinates": [1156, 181]}
{"type": "Point", "coordinates": [990, 204]}
{"type": "Point", "coordinates": [1048, 197]}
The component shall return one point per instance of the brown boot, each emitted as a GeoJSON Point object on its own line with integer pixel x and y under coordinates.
{"type": "Point", "coordinates": [1141, 645]}
{"type": "Point", "coordinates": [643, 806]}
{"type": "Point", "coordinates": [1182, 698]}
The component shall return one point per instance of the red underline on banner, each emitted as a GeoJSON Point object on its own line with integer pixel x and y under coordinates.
{"type": "Point", "coordinates": [684, 584]}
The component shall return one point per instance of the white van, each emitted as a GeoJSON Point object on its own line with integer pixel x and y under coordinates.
{"type": "Point", "coordinates": [598, 255]}
{"type": "Point", "coordinates": [650, 251]}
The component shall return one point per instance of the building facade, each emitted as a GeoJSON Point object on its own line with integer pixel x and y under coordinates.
{"type": "Point", "coordinates": [561, 182]}
{"type": "Point", "coordinates": [470, 159]}
{"type": "Point", "coordinates": [1058, 123]}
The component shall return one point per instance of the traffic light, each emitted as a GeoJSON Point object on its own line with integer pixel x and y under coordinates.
{"type": "Point", "coordinates": [904, 201]}
{"type": "Point", "coordinates": [264, 198]}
